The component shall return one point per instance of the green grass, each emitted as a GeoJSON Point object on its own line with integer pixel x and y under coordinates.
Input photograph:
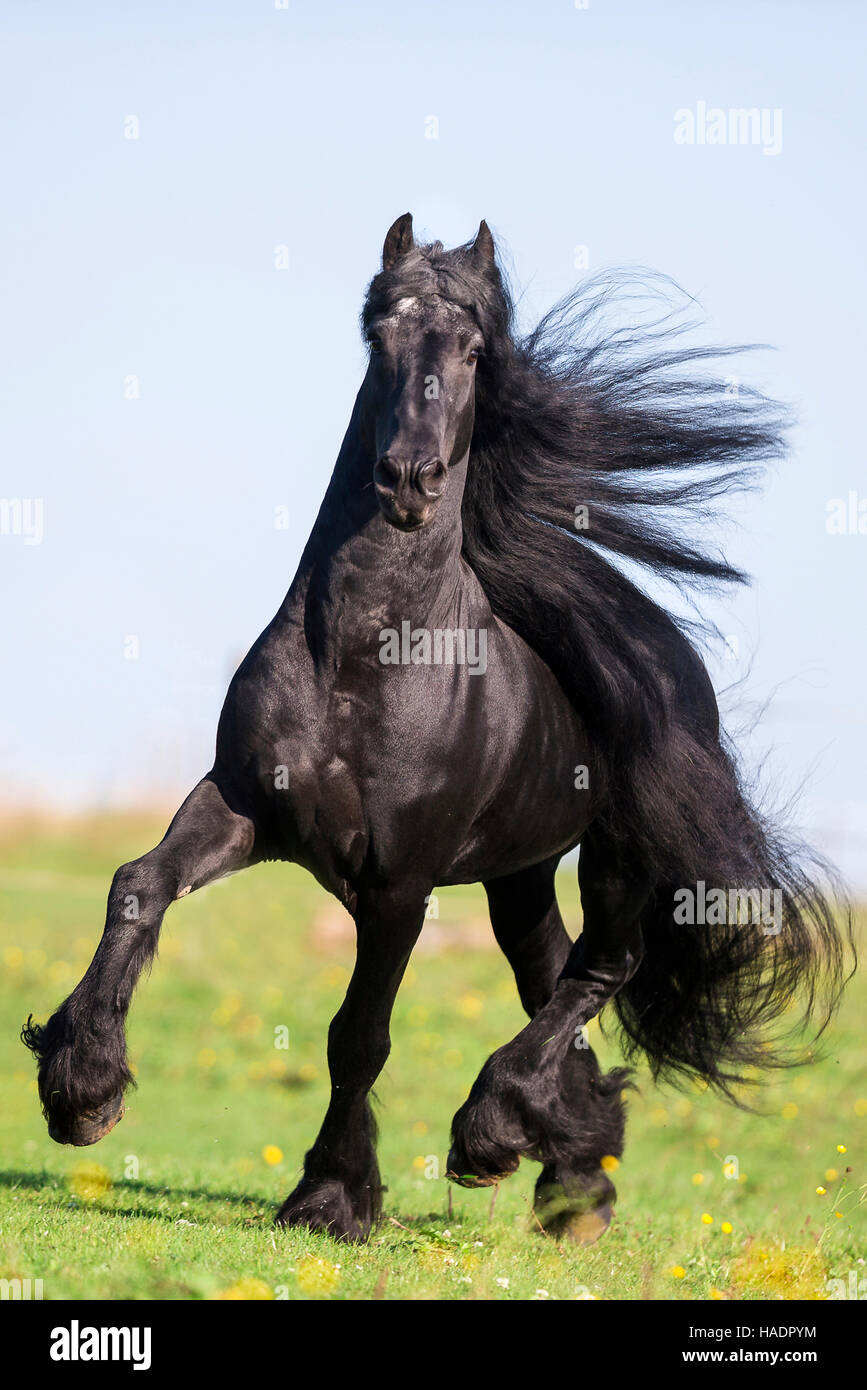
{"type": "Point", "coordinates": [177, 1202]}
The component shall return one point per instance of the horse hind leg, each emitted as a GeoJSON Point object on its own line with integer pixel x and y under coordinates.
{"type": "Point", "coordinates": [543, 1095]}
{"type": "Point", "coordinates": [529, 930]}
{"type": "Point", "coordinates": [81, 1050]}
{"type": "Point", "coordinates": [574, 1195]}
{"type": "Point", "coordinates": [584, 1129]}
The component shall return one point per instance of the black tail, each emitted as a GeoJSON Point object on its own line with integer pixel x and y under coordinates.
{"type": "Point", "coordinates": [744, 949]}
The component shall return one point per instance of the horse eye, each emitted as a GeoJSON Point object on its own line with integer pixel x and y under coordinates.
{"type": "Point", "coordinates": [375, 345]}
{"type": "Point", "coordinates": [473, 355]}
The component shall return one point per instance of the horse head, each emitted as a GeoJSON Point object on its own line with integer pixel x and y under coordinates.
{"type": "Point", "coordinates": [418, 395]}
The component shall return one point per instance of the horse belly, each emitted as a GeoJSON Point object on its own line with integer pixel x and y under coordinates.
{"type": "Point", "coordinates": [542, 802]}
{"type": "Point", "coordinates": [522, 826]}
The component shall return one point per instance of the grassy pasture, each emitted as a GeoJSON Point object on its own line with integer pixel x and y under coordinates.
{"type": "Point", "coordinates": [177, 1202]}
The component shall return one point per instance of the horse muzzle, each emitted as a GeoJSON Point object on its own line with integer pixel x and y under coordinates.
{"type": "Point", "coordinates": [409, 493]}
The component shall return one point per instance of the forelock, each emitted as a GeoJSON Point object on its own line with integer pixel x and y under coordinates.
{"type": "Point", "coordinates": [429, 272]}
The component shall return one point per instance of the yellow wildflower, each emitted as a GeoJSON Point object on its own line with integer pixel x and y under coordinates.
{"type": "Point", "coordinates": [246, 1290]}
{"type": "Point", "coordinates": [317, 1276]}
{"type": "Point", "coordinates": [89, 1180]}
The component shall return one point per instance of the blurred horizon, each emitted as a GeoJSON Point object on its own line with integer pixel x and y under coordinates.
{"type": "Point", "coordinates": [196, 200]}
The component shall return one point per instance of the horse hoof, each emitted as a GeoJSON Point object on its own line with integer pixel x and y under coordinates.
{"type": "Point", "coordinates": [465, 1179]}
{"type": "Point", "coordinates": [327, 1207]}
{"type": "Point", "coordinates": [568, 1212]}
{"type": "Point", "coordinates": [90, 1127]}
{"type": "Point", "coordinates": [471, 1180]}
{"type": "Point", "coordinates": [586, 1227]}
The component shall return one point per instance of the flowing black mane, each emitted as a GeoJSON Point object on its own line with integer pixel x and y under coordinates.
{"type": "Point", "coordinates": [606, 406]}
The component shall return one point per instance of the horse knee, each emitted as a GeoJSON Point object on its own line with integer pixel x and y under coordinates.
{"type": "Point", "coordinates": [140, 892]}
{"type": "Point", "coordinates": [355, 1056]}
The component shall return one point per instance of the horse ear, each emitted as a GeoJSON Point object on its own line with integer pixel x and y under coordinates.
{"type": "Point", "coordinates": [399, 239]}
{"type": "Point", "coordinates": [483, 246]}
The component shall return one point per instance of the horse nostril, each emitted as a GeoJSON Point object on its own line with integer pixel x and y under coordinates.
{"type": "Point", "coordinates": [387, 473]}
{"type": "Point", "coordinates": [432, 478]}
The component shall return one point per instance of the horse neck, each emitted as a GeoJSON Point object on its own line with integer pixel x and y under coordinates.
{"type": "Point", "coordinates": [359, 575]}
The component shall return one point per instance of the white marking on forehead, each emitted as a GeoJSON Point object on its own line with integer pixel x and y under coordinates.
{"type": "Point", "coordinates": [414, 306]}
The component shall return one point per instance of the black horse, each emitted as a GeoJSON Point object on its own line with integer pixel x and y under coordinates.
{"type": "Point", "coordinates": [460, 687]}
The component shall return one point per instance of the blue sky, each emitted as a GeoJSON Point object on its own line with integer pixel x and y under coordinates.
{"type": "Point", "coordinates": [305, 128]}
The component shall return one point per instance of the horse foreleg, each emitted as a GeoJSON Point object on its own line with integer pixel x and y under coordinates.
{"type": "Point", "coordinates": [83, 1068]}
{"type": "Point", "coordinates": [543, 1095]}
{"type": "Point", "coordinates": [340, 1191]}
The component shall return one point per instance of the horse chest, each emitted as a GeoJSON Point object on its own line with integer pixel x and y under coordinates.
{"type": "Point", "coordinates": [323, 805]}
